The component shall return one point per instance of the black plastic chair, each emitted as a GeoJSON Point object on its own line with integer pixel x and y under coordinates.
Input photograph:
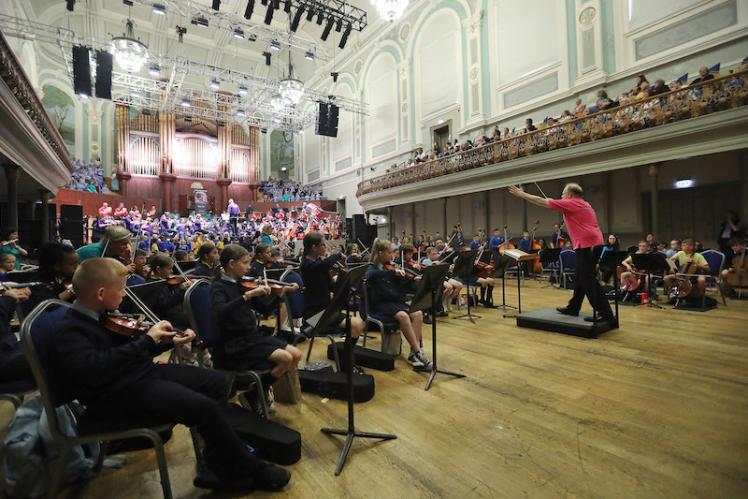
{"type": "Point", "coordinates": [37, 332]}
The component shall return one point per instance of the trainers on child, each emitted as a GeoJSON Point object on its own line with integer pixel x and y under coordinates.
{"type": "Point", "coordinates": [414, 361]}
{"type": "Point", "coordinates": [425, 361]}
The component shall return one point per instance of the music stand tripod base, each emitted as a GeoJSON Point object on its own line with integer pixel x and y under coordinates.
{"type": "Point", "coordinates": [329, 318]}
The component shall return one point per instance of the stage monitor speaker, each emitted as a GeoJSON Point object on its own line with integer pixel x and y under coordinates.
{"type": "Point", "coordinates": [327, 120]}
{"type": "Point", "coordinates": [81, 70]}
{"type": "Point", "coordinates": [103, 74]}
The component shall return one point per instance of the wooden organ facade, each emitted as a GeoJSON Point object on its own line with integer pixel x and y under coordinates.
{"type": "Point", "coordinates": [157, 160]}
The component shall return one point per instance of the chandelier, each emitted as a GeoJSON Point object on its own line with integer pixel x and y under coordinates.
{"type": "Point", "coordinates": [290, 88]}
{"type": "Point", "coordinates": [280, 103]}
{"type": "Point", "coordinates": [390, 9]}
{"type": "Point", "coordinates": [129, 52]}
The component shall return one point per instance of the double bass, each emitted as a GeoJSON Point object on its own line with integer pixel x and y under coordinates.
{"type": "Point", "coordinates": [537, 267]}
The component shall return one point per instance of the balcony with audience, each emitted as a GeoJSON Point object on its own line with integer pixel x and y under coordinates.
{"type": "Point", "coordinates": [646, 106]}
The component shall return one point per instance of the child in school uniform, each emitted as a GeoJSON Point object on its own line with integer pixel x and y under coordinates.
{"type": "Point", "coordinates": [115, 377]}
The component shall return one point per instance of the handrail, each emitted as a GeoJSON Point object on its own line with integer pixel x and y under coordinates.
{"type": "Point", "coordinates": [694, 100]}
{"type": "Point", "coordinates": [13, 75]}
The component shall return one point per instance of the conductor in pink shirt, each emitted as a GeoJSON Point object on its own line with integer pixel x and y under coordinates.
{"type": "Point", "coordinates": [581, 222]}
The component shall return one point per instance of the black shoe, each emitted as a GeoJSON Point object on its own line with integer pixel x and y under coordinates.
{"type": "Point", "coordinates": [207, 479]}
{"type": "Point", "coordinates": [566, 311]}
{"type": "Point", "coordinates": [601, 318]}
{"type": "Point", "coordinates": [427, 319]}
{"type": "Point", "coordinates": [271, 477]}
{"type": "Point", "coordinates": [442, 313]}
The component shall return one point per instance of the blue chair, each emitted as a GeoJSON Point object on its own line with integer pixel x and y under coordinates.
{"type": "Point", "coordinates": [568, 265]}
{"type": "Point", "coordinates": [37, 332]}
{"type": "Point", "coordinates": [716, 261]}
{"type": "Point", "coordinates": [197, 298]}
{"type": "Point", "coordinates": [387, 328]}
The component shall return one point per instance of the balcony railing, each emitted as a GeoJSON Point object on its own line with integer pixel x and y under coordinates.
{"type": "Point", "coordinates": [15, 78]}
{"type": "Point", "coordinates": [719, 94]}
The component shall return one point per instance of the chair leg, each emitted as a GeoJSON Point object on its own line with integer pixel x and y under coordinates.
{"type": "Point", "coordinates": [722, 292]}
{"type": "Point", "coordinates": [58, 469]}
{"type": "Point", "coordinates": [163, 469]}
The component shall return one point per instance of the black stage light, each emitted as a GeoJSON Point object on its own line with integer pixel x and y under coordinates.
{"type": "Point", "coordinates": [328, 28]}
{"type": "Point", "coordinates": [216, 5]}
{"type": "Point", "coordinates": [250, 9]}
{"type": "Point", "coordinates": [103, 74]}
{"type": "Point", "coordinates": [310, 14]}
{"type": "Point", "coordinates": [269, 14]}
{"type": "Point", "coordinates": [287, 7]}
{"type": "Point", "coordinates": [70, 5]}
{"type": "Point", "coordinates": [344, 38]}
{"type": "Point", "coordinates": [268, 56]}
{"type": "Point", "coordinates": [264, 2]}
{"type": "Point", "coordinates": [339, 25]}
{"type": "Point", "coordinates": [320, 17]}
{"type": "Point", "coordinates": [297, 18]}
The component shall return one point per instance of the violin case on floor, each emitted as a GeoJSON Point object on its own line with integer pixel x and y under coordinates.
{"type": "Point", "coordinates": [328, 383]}
{"type": "Point", "coordinates": [364, 357]}
{"type": "Point", "coordinates": [273, 441]}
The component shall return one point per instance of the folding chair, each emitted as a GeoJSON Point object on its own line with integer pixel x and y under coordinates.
{"type": "Point", "coordinates": [716, 260]}
{"type": "Point", "coordinates": [387, 328]}
{"type": "Point", "coordinates": [197, 298]}
{"type": "Point", "coordinates": [37, 332]}
{"type": "Point", "coordinates": [568, 264]}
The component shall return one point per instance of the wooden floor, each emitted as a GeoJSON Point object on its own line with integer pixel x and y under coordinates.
{"type": "Point", "coordinates": [657, 408]}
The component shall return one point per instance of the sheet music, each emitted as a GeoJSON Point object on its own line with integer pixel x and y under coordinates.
{"type": "Point", "coordinates": [520, 255]}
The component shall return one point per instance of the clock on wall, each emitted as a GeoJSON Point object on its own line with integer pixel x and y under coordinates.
{"type": "Point", "coordinates": [587, 16]}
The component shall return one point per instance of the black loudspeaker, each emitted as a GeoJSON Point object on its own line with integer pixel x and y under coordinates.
{"type": "Point", "coordinates": [103, 74]}
{"type": "Point", "coordinates": [371, 235]}
{"type": "Point", "coordinates": [71, 224]}
{"type": "Point", "coordinates": [359, 227]}
{"type": "Point", "coordinates": [327, 120]}
{"type": "Point", "coordinates": [81, 70]}
{"type": "Point", "coordinates": [349, 229]}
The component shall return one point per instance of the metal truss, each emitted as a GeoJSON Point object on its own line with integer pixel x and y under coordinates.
{"type": "Point", "coordinates": [166, 93]}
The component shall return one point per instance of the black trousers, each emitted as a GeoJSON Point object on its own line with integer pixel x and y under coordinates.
{"type": "Point", "coordinates": [191, 396]}
{"type": "Point", "coordinates": [14, 367]}
{"type": "Point", "coordinates": [586, 284]}
{"type": "Point", "coordinates": [233, 220]}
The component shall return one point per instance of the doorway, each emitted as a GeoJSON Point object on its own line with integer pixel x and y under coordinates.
{"type": "Point", "coordinates": [440, 136]}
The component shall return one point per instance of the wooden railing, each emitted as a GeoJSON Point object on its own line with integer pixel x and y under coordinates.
{"type": "Point", "coordinates": [15, 78]}
{"type": "Point", "coordinates": [727, 92]}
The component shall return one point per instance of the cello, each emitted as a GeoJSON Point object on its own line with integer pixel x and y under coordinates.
{"type": "Point", "coordinates": [737, 277]}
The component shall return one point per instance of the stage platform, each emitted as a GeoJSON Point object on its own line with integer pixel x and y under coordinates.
{"type": "Point", "coordinates": [548, 319]}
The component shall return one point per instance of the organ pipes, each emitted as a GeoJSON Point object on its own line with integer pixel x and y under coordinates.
{"type": "Point", "coordinates": [144, 155]}
{"type": "Point", "coordinates": [167, 134]}
{"type": "Point", "coordinates": [122, 117]}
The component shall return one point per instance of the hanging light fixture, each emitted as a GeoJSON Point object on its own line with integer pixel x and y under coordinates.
{"type": "Point", "coordinates": [279, 103]}
{"type": "Point", "coordinates": [390, 10]}
{"type": "Point", "coordinates": [291, 89]}
{"type": "Point", "coordinates": [129, 52]}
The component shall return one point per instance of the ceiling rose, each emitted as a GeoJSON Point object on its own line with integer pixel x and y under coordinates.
{"type": "Point", "coordinates": [390, 10]}
{"type": "Point", "coordinates": [129, 52]}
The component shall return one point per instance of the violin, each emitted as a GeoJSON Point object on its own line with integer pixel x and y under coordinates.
{"type": "Point", "coordinates": [249, 283]}
{"type": "Point", "coordinates": [737, 277]}
{"type": "Point", "coordinates": [18, 285]}
{"type": "Point", "coordinates": [130, 325]}
{"type": "Point", "coordinates": [409, 274]}
{"type": "Point", "coordinates": [176, 279]}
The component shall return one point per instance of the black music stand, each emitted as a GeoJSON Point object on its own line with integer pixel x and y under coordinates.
{"type": "Point", "coordinates": [428, 293]}
{"type": "Point", "coordinates": [500, 271]}
{"type": "Point", "coordinates": [549, 256]}
{"type": "Point", "coordinates": [464, 271]}
{"type": "Point", "coordinates": [653, 263]}
{"type": "Point", "coordinates": [611, 260]}
{"type": "Point", "coordinates": [331, 318]}
{"type": "Point", "coordinates": [519, 284]}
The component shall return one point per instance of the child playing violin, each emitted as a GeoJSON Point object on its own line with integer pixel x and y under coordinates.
{"type": "Point", "coordinates": [115, 377]}
{"type": "Point", "coordinates": [168, 305]}
{"type": "Point", "coordinates": [244, 346]}
{"type": "Point", "coordinates": [318, 284]}
{"type": "Point", "coordinates": [268, 305]}
{"type": "Point", "coordinates": [57, 264]}
{"type": "Point", "coordinates": [387, 300]}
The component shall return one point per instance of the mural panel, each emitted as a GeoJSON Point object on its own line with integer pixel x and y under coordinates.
{"type": "Point", "coordinates": [61, 108]}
